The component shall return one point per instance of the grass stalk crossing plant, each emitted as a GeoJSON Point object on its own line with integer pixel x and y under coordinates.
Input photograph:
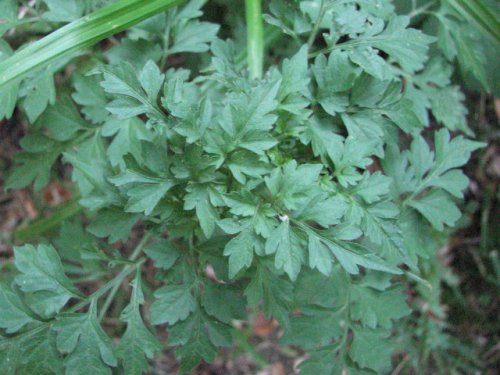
{"type": "Point", "coordinates": [79, 35]}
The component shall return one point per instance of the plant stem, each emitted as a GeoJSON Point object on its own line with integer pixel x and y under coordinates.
{"type": "Point", "coordinates": [321, 14]}
{"type": "Point", "coordinates": [166, 45]}
{"type": "Point", "coordinates": [103, 290]}
{"type": "Point", "coordinates": [255, 38]}
{"type": "Point", "coordinates": [242, 340]}
{"type": "Point", "coordinates": [422, 10]}
{"type": "Point", "coordinates": [117, 280]}
{"type": "Point", "coordinates": [110, 298]}
{"type": "Point", "coordinates": [413, 5]}
{"type": "Point", "coordinates": [116, 287]}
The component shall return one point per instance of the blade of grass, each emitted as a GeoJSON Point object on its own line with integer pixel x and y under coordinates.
{"type": "Point", "coordinates": [78, 35]}
{"type": "Point", "coordinates": [480, 15]}
{"type": "Point", "coordinates": [43, 225]}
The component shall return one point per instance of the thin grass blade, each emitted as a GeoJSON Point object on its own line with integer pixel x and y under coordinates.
{"type": "Point", "coordinates": [79, 35]}
{"type": "Point", "coordinates": [477, 12]}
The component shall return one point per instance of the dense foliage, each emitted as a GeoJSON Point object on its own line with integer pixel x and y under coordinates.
{"type": "Point", "coordinates": [318, 192]}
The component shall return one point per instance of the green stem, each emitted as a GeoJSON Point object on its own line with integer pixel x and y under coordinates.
{"type": "Point", "coordinates": [242, 340]}
{"type": "Point", "coordinates": [317, 25]}
{"type": "Point", "coordinates": [110, 298]}
{"type": "Point", "coordinates": [103, 290]}
{"type": "Point", "coordinates": [422, 10]}
{"type": "Point", "coordinates": [271, 36]}
{"type": "Point", "coordinates": [117, 280]}
{"type": "Point", "coordinates": [485, 220]}
{"type": "Point", "coordinates": [116, 287]}
{"type": "Point", "coordinates": [166, 46]}
{"type": "Point", "coordinates": [255, 38]}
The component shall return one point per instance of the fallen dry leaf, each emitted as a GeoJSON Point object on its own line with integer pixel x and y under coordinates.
{"type": "Point", "coordinates": [264, 327]}
{"type": "Point", "coordinates": [55, 194]}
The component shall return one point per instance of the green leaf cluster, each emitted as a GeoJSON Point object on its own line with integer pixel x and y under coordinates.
{"type": "Point", "coordinates": [313, 194]}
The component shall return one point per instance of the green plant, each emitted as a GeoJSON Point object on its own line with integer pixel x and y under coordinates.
{"type": "Point", "coordinates": [307, 189]}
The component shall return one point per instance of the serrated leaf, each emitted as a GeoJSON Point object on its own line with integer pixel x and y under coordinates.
{"type": "Point", "coordinates": [135, 52]}
{"type": "Point", "coordinates": [405, 45]}
{"type": "Point", "coordinates": [194, 36]}
{"type": "Point", "coordinates": [420, 169]}
{"type": "Point", "coordinates": [199, 197]}
{"type": "Point", "coordinates": [347, 256]}
{"type": "Point", "coordinates": [224, 302]}
{"type": "Point", "coordinates": [63, 10]}
{"type": "Point", "coordinates": [82, 339]}
{"type": "Point", "coordinates": [334, 77]}
{"type": "Point", "coordinates": [448, 107]}
{"type": "Point", "coordinates": [274, 291]}
{"type": "Point", "coordinates": [33, 352]}
{"type": "Point", "coordinates": [144, 192]}
{"type": "Point", "coordinates": [379, 222]}
{"type": "Point", "coordinates": [320, 208]}
{"type": "Point", "coordinates": [438, 208]}
{"type": "Point", "coordinates": [334, 291]}
{"type": "Point", "coordinates": [91, 170]}
{"type": "Point", "coordinates": [113, 223]}
{"type": "Point", "coordinates": [311, 331]}
{"type": "Point", "coordinates": [91, 97]}
{"type": "Point", "coordinates": [42, 274]}
{"type": "Point", "coordinates": [13, 313]}
{"type": "Point", "coordinates": [151, 80]}
{"type": "Point", "coordinates": [63, 120]}
{"type": "Point", "coordinates": [245, 164]}
{"type": "Point", "coordinates": [137, 342]}
{"type": "Point", "coordinates": [197, 345]}
{"type": "Point", "coordinates": [129, 135]}
{"type": "Point", "coordinates": [240, 251]}
{"type": "Point", "coordinates": [173, 303]}
{"type": "Point", "coordinates": [295, 74]}
{"type": "Point", "coordinates": [248, 116]}
{"type": "Point", "coordinates": [371, 349]}
{"type": "Point", "coordinates": [163, 253]}
{"type": "Point", "coordinates": [319, 255]}
{"type": "Point", "coordinates": [38, 93]}
{"type": "Point", "coordinates": [72, 242]}
{"type": "Point", "coordinates": [373, 187]}
{"type": "Point", "coordinates": [242, 203]}
{"type": "Point", "coordinates": [374, 308]}
{"type": "Point", "coordinates": [134, 90]}
{"type": "Point", "coordinates": [32, 168]}
{"type": "Point", "coordinates": [321, 362]}
{"type": "Point", "coordinates": [288, 248]}
{"type": "Point", "coordinates": [454, 153]}
{"type": "Point", "coordinates": [403, 115]}
{"type": "Point", "coordinates": [370, 62]}
{"type": "Point", "coordinates": [293, 184]}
